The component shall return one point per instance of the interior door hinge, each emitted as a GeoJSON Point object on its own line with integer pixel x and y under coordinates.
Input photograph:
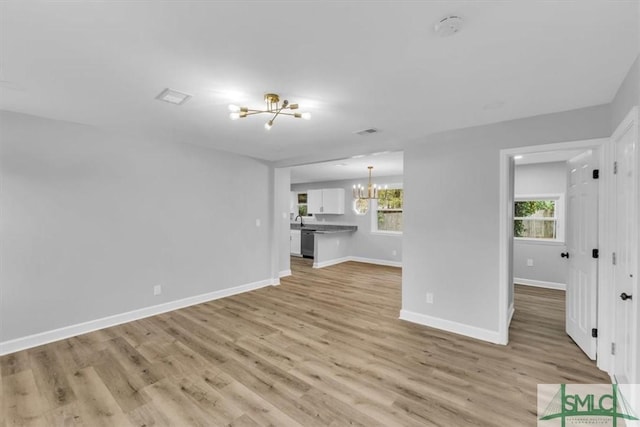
{"type": "Point", "coordinates": [613, 258]}
{"type": "Point", "coordinates": [594, 333]}
{"type": "Point", "coordinates": [615, 168]}
{"type": "Point", "coordinates": [613, 348]}
{"type": "Point", "coordinates": [596, 173]}
{"type": "Point", "coordinates": [595, 253]}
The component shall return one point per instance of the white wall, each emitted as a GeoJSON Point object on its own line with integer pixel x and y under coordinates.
{"type": "Point", "coordinates": [628, 95]}
{"type": "Point", "coordinates": [282, 202]}
{"type": "Point", "coordinates": [451, 239]}
{"type": "Point", "coordinates": [364, 243]}
{"type": "Point", "coordinates": [548, 265]}
{"type": "Point", "coordinates": [92, 221]}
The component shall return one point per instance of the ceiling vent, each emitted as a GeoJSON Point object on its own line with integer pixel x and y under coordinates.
{"type": "Point", "coordinates": [173, 97]}
{"type": "Point", "coordinates": [366, 132]}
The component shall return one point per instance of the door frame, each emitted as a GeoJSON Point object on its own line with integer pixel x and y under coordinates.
{"type": "Point", "coordinates": [631, 120]}
{"type": "Point", "coordinates": [601, 147]}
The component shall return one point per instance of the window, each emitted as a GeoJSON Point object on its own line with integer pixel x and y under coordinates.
{"type": "Point", "coordinates": [302, 204]}
{"type": "Point", "coordinates": [539, 218]}
{"type": "Point", "coordinates": [388, 211]}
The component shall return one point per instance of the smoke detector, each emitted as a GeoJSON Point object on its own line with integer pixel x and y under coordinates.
{"type": "Point", "coordinates": [448, 26]}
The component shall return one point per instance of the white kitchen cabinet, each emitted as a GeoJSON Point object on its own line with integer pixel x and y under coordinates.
{"type": "Point", "coordinates": [333, 200]}
{"type": "Point", "coordinates": [314, 201]}
{"type": "Point", "coordinates": [293, 203]}
{"type": "Point", "coordinates": [296, 241]}
{"type": "Point", "coordinates": [326, 201]}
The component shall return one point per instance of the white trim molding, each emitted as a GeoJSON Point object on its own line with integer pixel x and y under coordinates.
{"type": "Point", "coordinates": [46, 337]}
{"type": "Point", "coordinates": [330, 262]}
{"type": "Point", "coordinates": [540, 283]}
{"type": "Point", "coordinates": [512, 311]}
{"type": "Point", "coordinates": [357, 259]}
{"type": "Point", "coordinates": [451, 326]}
{"type": "Point", "coordinates": [376, 261]}
{"type": "Point", "coordinates": [284, 273]}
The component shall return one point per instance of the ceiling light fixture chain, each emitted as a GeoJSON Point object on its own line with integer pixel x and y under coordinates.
{"type": "Point", "coordinates": [273, 107]}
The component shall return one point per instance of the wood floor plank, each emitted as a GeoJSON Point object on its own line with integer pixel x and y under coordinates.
{"type": "Point", "coordinates": [123, 388]}
{"type": "Point", "coordinates": [96, 404]}
{"type": "Point", "coordinates": [22, 404]}
{"type": "Point", "coordinates": [50, 377]}
{"type": "Point", "coordinates": [325, 348]}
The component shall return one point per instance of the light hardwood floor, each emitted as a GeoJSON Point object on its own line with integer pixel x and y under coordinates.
{"type": "Point", "coordinates": [325, 348]}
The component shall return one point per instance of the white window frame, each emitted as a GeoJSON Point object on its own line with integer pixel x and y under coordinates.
{"type": "Point", "coordinates": [374, 213]}
{"type": "Point", "coordinates": [559, 212]}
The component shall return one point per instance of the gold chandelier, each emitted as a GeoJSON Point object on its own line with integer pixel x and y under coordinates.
{"type": "Point", "coordinates": [371, 192]}
{"type": "Point", "coordinates": [273, 107]}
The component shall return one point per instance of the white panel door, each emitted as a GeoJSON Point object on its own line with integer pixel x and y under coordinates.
{"type": "Point", "coordinates": [626, 253]}
{"type": "Point", "coordinates": [582, 238]}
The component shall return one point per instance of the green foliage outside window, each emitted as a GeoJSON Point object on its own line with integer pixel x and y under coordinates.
{"type": "Point", "coordinates": [535, 219]}
{"type": "Point", "coordinates": [389, 213]}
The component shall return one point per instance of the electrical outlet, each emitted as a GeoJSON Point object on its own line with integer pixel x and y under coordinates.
{"type": "Point", "coordinates": [429, 298]}
{"type": "Point", "coordinates": [338, 242]}
{"type": "Point", "coordinates": [258, 222]}
{"type": "Point", "coordinates": [529, 262]}
{"type": "Point", "coordinates": [157, 289]}
{"type": "Point", "coordinates": [394, 252]}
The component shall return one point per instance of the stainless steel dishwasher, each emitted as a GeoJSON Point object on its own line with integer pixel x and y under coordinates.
{"type": "Point", "coordinates": [307, 237]}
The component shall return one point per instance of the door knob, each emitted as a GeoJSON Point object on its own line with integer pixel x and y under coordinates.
{"type": "Point", "coordinates": [565, 255]}
{"type": "Point", "coordinates": [624, 296]}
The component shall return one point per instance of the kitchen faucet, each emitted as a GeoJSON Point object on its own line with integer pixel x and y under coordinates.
{"type": "Point", "coordinates": [301, 223]}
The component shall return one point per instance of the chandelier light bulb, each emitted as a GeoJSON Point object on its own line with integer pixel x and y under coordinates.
{"type": "Point", "coordinates": [234, 116]}
{"type": "Point", "coordinates": [268, 125]}
{"type": "Point", "coordinates": [306, 116]}
{"type": "Point", "coordinates": [234, 108]}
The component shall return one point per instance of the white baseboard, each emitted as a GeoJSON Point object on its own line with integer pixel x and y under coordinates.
{"type": "Point", "coordinates": [284, 273]}
{"type": "Point", "coordinates": [451, 326]}
{"type": "Point", "coordinates": [41, 338]}
{"type": "Point", "coordinates": [376, 261]}
{"type": "Point", "coordinates": [512, 310]}
{"type": "Point", "coordinates": [357, 259]}
{"type": "Point", "coordinates": [540, 284]}
{"type": "Point", "coordinates": [330, 262]}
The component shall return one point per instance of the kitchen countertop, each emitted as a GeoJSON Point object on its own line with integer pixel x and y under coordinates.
{"type": "Point", "coordinates": [325, 228]}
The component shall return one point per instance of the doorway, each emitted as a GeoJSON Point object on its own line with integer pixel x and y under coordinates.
{"type": "Point", "coordinates": [556, 234]}
{"type": "Point", "coordinates": [618, 216]}
{"type": "Point", "coordinates": [578, 305]}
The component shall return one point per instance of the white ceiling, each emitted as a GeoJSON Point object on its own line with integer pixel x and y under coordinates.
{"type": "Point", "coordinates": [353, 65]}
{"type": "Point", "coordinates": [384, 164]}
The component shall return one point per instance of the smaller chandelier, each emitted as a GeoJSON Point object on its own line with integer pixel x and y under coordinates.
{"type": "Point", "coordinates": [273, 107]}
{"type": "Point", "coordinates": [371, 192]}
